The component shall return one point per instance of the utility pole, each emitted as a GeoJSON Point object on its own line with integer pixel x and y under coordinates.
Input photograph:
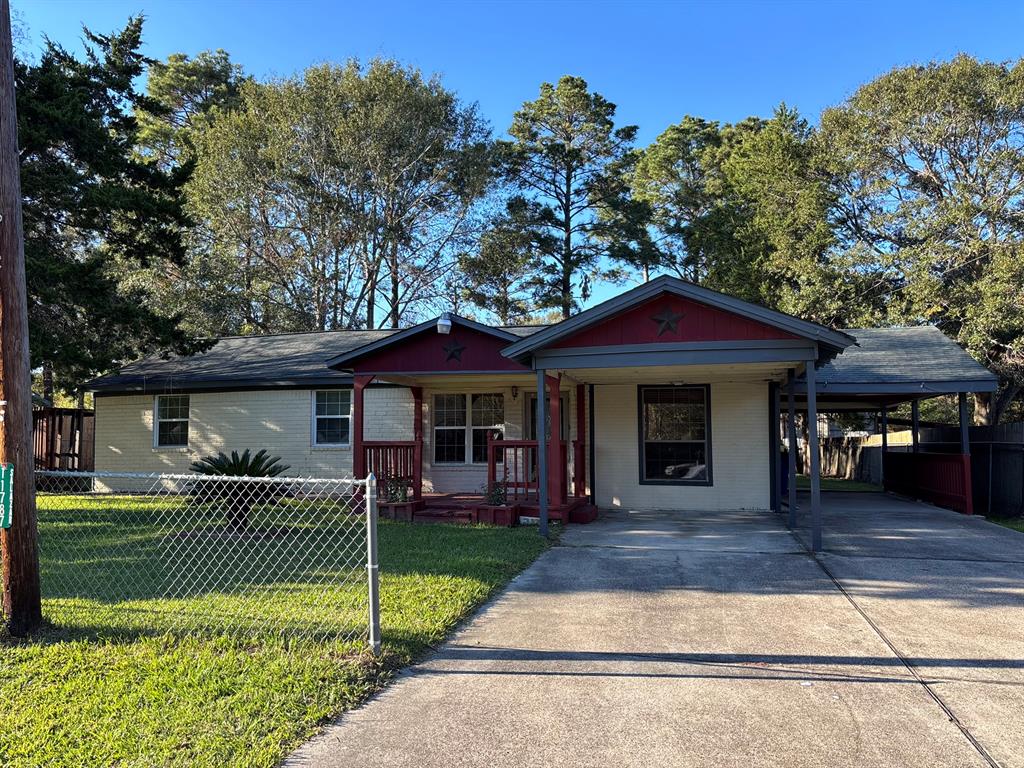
{"type": "Point", "coordinates": [19, 553]}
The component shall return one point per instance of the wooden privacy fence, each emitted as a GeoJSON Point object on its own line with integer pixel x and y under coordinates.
{"type": "Point", "coordinates": [996, 461]}
{"type": "Point", "coordinates": [940, 478]}
{"type": "Point", "coordinates": [63, 439]}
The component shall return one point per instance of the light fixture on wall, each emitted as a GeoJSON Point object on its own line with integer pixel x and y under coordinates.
{"type": "Point", "coordinates": [515, 393]}
{"type": "Point", "coordinates": [444, 323]}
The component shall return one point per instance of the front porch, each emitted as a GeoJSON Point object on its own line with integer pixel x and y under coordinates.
{"type": "Point", "coordinates": [411, 482]}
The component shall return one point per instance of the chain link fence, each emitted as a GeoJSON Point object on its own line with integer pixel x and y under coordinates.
{"type": "Point", "coordinates": [129, 554]}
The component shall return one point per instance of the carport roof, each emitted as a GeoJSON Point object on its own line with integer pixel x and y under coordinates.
{"type": "Point", "coordinates": [899, 364]}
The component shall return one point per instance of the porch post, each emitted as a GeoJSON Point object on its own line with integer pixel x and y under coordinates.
{"type": "Point", "coordinates": [965, 435]}
{"type": "Point", "coordinates": [773, 446]}
{"type": "Point", "coordinates": [417, 436]}
{"type": "Point", "coordinates": [579, 473]}
{"type": "Point", "coordinates": [915, 426]}
{"type": "Point", "coordinates": [791, 407]}
{"type": "Point", "coordinates": [542, 454]}
{"type": "Point", "coordinates": [358, 459]}
{"type": "Point", "coordinates": [556, 467]}
{"type": "Point", "coordinates": [815, 469]}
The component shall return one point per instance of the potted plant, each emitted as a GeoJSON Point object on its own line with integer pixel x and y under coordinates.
{"type": "Point", "coordinates": [496, 510]}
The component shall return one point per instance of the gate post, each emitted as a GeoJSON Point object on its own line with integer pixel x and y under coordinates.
{"type": "Point", "coordinates": [372, 570]}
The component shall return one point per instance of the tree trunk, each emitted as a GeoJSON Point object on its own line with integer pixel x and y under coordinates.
{"type": "Point", "coordinates": [19, 554]}
{"type": "Point", "coordinates": [989, 407]}
{"type": "Point", "coordinates": [48, 383]}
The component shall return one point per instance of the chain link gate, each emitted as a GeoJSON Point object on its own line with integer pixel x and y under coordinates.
{"type": "Point", "coordinates": [180, 554]}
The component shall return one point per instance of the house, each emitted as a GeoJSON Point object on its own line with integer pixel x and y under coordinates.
{"type": "Point", "coordinates": [664, 397]}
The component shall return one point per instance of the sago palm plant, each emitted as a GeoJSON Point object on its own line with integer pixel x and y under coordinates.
{"type": "Point", "coordinates": [240, 496]}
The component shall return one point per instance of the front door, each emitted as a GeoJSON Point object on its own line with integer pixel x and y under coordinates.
{"type": "Point", "coordinates": [531, 419]}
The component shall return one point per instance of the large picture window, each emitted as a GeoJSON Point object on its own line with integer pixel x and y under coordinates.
{"type": "Point", "coordinates": [332, 416]}
{"type": "Point", "coordinates": [675, 435]}
{"type": "Point", "coordinates": [171, 430]}
{"type": "Point", "coordinates": [462, 423]}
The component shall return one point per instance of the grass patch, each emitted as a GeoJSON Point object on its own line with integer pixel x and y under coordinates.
{"type": "Point", "coordinates": [1016, 523]}
{"type": "Point", "coordinates": [803, 483]}
{"type": "Point", "coordinates": [106, 685]}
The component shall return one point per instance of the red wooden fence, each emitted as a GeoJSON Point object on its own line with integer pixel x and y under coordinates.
{"type": "Point", "coordinates": [940, 478]}
{"type": "Point", "coordinates": [63, 438]}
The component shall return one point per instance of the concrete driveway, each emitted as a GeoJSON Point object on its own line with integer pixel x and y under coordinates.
{"type": "Point", "coordinates": [714, 639]}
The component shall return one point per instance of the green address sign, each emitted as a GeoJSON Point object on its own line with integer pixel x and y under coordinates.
{"type": "Point", "coordinates": [6, 486]}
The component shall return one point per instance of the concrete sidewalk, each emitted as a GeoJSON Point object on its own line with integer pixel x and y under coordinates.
{"type": "Point", "coordinates": [697, 639]}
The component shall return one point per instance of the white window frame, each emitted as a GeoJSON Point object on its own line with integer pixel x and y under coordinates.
{"type": "Point", "coordinates": [468, 429]}
{"type": "Point", "coordinates": [313, 418]}
{"type": "Point", "coordinates": [157, 421]}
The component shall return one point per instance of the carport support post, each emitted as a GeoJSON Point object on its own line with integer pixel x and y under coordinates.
{"type": "Point", "coordinates": [885, 442]}
{"type": "Point", "coordinates": [915, 426]}
{"type": "Point", "coordinates": [965, 436]}
{"type": "Point", "coordinates": [791, 454]}
{"type": "Point", "coordinates": [812, 437]}
{"type": "Point", "coordinates": [775, 466]}
{"type": "Point", "coordinates": [542, 454]}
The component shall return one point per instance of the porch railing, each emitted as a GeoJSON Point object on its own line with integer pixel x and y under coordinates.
{"type": "Point", "coordinates": [940, 478]}
{"type": "Point", "coordinates": [513, 463]}
{"type": "Point", "coordinates": [398, 465]}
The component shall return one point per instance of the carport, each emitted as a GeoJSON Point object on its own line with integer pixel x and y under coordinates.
{"type": "Point", "coordinates": [886, 368]}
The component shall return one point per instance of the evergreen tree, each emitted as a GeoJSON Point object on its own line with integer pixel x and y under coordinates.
{"type": "Point", "coordinates": [95, 213]}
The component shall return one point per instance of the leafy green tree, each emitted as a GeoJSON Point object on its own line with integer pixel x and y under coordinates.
{"type": "Point", "coordinates": [562, 156]}
{"type": "Point", "coordinates": [95, 214]}
{"type": "Point", "coordinates": [745, 209]}
{"type": "Point", "coordinates": [187, 90]}
{"type": "Point", "coordinates": [928, 163]}
{"type": "Point", "coordinates": [332, 191]}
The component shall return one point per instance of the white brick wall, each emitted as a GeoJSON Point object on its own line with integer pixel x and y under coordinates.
{"type": "Point", "coordinates": [739, 452]}
{"type": "Point", "coordinates": [280, 421]}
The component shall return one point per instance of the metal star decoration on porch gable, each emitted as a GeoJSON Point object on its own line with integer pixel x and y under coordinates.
{"type": "Point", "coordinates": [453, 350]}
{"type": "Point", "coordinates": [668, 320]}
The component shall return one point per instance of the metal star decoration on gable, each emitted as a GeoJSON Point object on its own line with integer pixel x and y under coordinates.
{"type": "Point", "coordinates": [453, 351]}
{"type": "Point", "coordinates": [668, 320]}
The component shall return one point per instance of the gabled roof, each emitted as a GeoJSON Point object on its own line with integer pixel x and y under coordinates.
{"type": "Point", "coordinates": [918, 360]}
{"type": "Point", "coordinates": [397, 337]}
{"type": "Point", "coordinates": [835, 341]}
{"type": "Point", "coordinates": [253, 362]}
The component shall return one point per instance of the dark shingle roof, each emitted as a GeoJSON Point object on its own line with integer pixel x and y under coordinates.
{"type": "Point", "coordinates": [900, 358]}
{"type": "Point", "coordinates": [249, 362]}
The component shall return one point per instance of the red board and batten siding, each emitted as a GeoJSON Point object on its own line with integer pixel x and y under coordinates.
{"type": "Point", "coordinates": [433, 352]}
{"type": "Point", "coordinates": [696, 322]}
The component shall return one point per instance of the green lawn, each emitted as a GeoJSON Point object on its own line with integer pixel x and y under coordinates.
{"type": "Point", "coordinates": [1016, 523]}
{"type": "Point", "coordinates": [114, 681]}
{"type": "Point", "coordinates": [803, 483]}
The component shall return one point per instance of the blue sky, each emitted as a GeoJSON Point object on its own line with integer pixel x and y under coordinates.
{"type": "Point", "coordinates": [656, 61]}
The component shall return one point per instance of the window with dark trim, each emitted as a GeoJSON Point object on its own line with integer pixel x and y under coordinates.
{"type": "Point", "coordinates": [675, 435]}
{"type": "Point", "coordinates": [172, 412]}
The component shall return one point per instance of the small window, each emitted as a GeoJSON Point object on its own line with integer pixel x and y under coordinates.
{"type": "Point", "coordinates": [675, 435]}
{"type": "Point", "coordinates": [462, 424]}
{"type": "Point", "coordinates": [171, 421]}
{"type": "Point", "coordinates": [332, 417]}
